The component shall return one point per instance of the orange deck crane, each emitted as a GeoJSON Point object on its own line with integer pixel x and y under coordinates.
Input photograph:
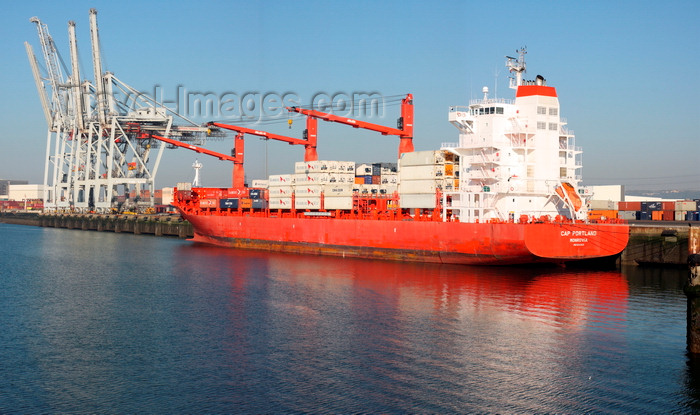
{"type": "Point", "coordinates": [309, 143]}
{"type": "Point", "coordinates": [237, 156]}
{"type": "Point", "coordinates": [404, 128]}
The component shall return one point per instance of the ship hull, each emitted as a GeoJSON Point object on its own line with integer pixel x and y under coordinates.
{"type": "Point", "coordinates": [422, 241]}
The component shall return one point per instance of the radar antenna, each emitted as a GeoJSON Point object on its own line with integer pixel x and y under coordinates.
{"type": "Point", "coordinates": [517, 65]}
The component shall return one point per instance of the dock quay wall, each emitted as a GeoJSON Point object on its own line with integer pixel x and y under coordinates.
{"type": "Point", "coordinates": [136, 224]}
{"type": "Point", "coordinates": [650, 243]}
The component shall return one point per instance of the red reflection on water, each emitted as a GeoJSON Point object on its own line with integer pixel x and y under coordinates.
{"type": "Point", "coordinates": [554, 296]}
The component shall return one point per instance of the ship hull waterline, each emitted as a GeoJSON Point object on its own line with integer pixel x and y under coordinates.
{"type": "Point", "coordinates": [419, 241]}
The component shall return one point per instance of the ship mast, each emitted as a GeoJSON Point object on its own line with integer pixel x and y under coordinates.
{"type": "Point", "coordinates": [517, 65]}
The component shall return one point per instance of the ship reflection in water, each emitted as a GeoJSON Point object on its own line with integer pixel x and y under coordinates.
{"type": "Point", "coordinates": [358, 335]}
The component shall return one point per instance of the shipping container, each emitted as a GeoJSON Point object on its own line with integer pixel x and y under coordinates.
{"type": "Point", "coordinates": [308, 190]}
{"type": "Point", "coordinates": [260, 184]}
{"type": "Point", "coordinates": [360, 180]}
{"type": "Point", "coordinates": [338, 190]}
{"type": "Point", "coordinates": [281, 203]}
{"type": "Point", "coordinates": [602, 205]}
{"type": "Point", "coordinates": [651, 206]}
{"type": "Point", "coordinates": [376, 179]}
{"type": "Point", "coordinates": [341, 178]}
{"type": "Point", "coordinates": [312, 178]}
{"type": "Point", "coordinates": [207, 203]}
{"type": "Point", "coordinates": [421, 158]}
{"type": "Point", "coordinates": [680, 215]}
{"type": "Point", "coordinates": [245, 203]}
{"type": "Point", "coordinates": [363, 170]}
{"type": "Point", "coordinates": [281, 180]}
{"type": "Point", "coordinates": [259, 204]}
{"type": "Point", "coordinates": [281, 191]}
{"type": "Point", "coordinates": [629, 206]}
{"type": "Point", "coordinates": [692, 216]}
{"type": "Point", "coordinates": [669, 215]}
{"type": "Point", "coordinates": [256, 193]}
{"type": "Point", "coordinates": [376, 169]}
{"type": "Point", "coordinates": [307, 203]}
{"type": "Point", "coordinates": [645, 215]}
{"type": "Point", "coordinates": [228, 203]}
{"type": "Point", "coordinates": [337, 203]}
{"type": "Point", "coordinates": [418, 186]}
{"type": "Point", "coordinates": [686, 205]}
{"type": "Point", "coordinates": [422, 200]}
{"type": "Point", "coordinates": [367, 179]}
{"type": "Point", "coordinates": [390, 178]}
{"type": "Point", "coordinates": [602, 214]}
{"type": "Point", "coordinates": [184, 186]}
{"type": "Point", "coordinates": [628, 215]}
{"type": "Point", "coordinates": [422, 172]}
{"type": "Point", "coordinates": [668, 205]}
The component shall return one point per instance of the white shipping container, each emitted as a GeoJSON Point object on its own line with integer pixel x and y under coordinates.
{"type": "Point", "coordinates": [421, 158]}
{"type": "Point", "coordinates": [312, 178]}
{"type": "Point", "coordinates": [422, 172]}
{"type": "Point", "coordinates": [421, 201]}
{"type": "Point", "coordinates": [308, 190]}
{"type": "Point", "coordinates": [686, 206]}
{"type": "Point", "coordinates": [281, 180]}
{"type": "Point", "coordinates": [627, 215]}
{"type": "Point", "coordinates": [388, 189]}
{"type": "Point", "coordinates": [260, 184]}
{"type": "Point", "coordinates": [419, 186]}
{"type": "Point", "coordinates": [680, 215]}
{"type": "Point", "coordinates": [346, 167]}
{"type": "Point", "coordinates": [392, 178]}
{"type": "Point", "coordinates": [341, 178]}
{"type": "Point", "coordinates": [602, 205]}
{"type": "Point", "coordinates": [281, 191]}
{"type": "Point", "coordinates": [368, 189]}
{"type": "Point", "coordinates": [307, 202]}
{"type": "Point", "coordinates": [184, 186]}
{"type": "Point", "coordinates": [281, 203]}
{"type": "Point", "coordinates": [337, 202]}
{"type": "Point", "coordinates": [363, 170]}
{"type": "Point", "coordinates": [332, 190]}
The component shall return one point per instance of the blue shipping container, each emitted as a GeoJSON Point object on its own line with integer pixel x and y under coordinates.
{"type": "Point", "coordinates": [259, 204]}
{"type": "Point", "coordinates": [255, 193]}
{"type": "Point", "coordinates": [644, 215]}
{"type": "Point", "coordinates": [651, 206]}
{"type": "Point", "coordinates": [228, 203]}
{"type": "Point", "coordinates": [368, 179]}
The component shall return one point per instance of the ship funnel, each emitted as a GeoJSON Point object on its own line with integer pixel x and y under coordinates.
{"type": "Point", "coordinates": [540, 80]}
{"type": "Point", "coordinates": [485, 90]}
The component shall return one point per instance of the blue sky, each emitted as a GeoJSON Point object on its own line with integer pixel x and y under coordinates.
{"type": "Point", "coordinates": [625, 72]}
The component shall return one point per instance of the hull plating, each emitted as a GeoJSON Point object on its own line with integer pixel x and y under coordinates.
{"type": "Point", "coordinates": [439, 242]}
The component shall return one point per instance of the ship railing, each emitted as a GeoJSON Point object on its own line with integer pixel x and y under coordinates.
{"type": "Point", "coordinates": [489, 101]}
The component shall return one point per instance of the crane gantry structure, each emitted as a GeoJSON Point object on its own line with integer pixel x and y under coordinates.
{"type": "Point", "coordinates": [99, 143]}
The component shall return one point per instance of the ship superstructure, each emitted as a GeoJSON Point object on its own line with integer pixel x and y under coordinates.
{"type": "Point", "coordinates": [517, 157]}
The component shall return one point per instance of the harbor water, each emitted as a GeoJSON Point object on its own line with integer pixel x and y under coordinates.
{"type": "Point", "coordinates": [98, 322]}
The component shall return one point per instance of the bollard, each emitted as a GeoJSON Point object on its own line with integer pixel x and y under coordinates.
{"type": "Point", "coordinates": [692, 291]}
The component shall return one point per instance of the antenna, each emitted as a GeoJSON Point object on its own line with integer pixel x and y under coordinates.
{"type": "Point", "coordinates": [196, 165]}
{"type": "Point", "coordinates": [518, 66]}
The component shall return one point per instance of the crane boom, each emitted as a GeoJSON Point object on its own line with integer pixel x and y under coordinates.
{"type": "Point", "coordinates": [404, 128]}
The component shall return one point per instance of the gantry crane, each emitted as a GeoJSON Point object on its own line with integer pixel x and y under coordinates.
{"type": "Point", "coordinates": [404, 128]}
{"type": "Point", "coordinates": [95, 149]}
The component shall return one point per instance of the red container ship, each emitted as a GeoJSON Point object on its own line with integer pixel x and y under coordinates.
{"type": "Point", "coordinates": [507, 193]}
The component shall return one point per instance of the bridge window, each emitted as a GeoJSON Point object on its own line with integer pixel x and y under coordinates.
{"type": "Point", "coordinates": [553, 111]}
{"type": "Point", "coordinates": [541, 111]}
